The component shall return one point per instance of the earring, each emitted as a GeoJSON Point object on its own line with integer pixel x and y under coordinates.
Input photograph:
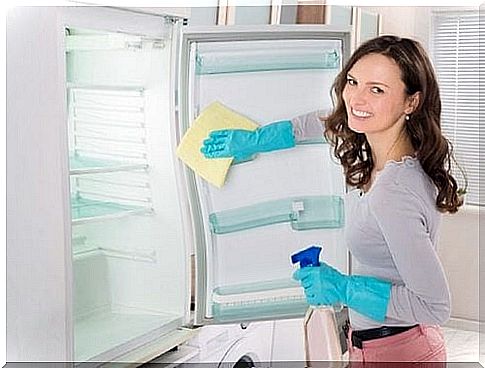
{"type": "Point", "coordinates": [407, 117]}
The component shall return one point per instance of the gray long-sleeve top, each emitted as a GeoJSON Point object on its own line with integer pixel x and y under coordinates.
{"type": "Point", "coordinates": [309, 126]}
{"type": "Point", "coordinates": [392, 234]}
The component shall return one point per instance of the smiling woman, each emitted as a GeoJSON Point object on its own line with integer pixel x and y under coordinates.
{"type": "Point", "coordinates": [386, 133]}
{"type": "Point", "coordinates": [388, 106]}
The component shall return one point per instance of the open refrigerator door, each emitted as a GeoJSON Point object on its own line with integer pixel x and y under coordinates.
{"type": "Point", "coordinates": [279, 202]}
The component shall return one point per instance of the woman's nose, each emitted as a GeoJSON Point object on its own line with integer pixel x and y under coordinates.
{"type": "Point", "coordinates": [358, 96]}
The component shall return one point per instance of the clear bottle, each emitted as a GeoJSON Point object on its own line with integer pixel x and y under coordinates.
{"type": "Point", "coordinates": [322, 343]}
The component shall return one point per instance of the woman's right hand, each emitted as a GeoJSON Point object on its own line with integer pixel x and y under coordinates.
{"type": "Point", "coordinates": [238, 143]}
{"type": "Point", "coordinates": [243, 144]}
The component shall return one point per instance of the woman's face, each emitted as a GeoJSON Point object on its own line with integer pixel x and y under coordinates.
{"type": "Point", "coordinates": [374, 95]}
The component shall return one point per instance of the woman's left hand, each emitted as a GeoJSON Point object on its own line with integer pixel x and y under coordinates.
{"type": "Point", "coordinates": [323, 285]}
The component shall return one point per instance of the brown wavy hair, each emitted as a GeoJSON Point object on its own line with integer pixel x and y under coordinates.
{"type": "Point", "coordinates": [433, 150]}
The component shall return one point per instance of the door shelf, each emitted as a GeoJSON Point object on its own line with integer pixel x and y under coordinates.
{"type": "Point", "coordinates": [87, 210]}
{"type": "Point", "coordinates": [80, 165]}
{"type": "Point", "coordinates": [253, 288]}
{"type": "Point", "coordinates": [265, 309]}
{"type": "Point", "coordinates": [303, 213]}
{"type": "Point", "coordinates": [244, 61]}
{"type": "Point", "coordinates": [259, 300]}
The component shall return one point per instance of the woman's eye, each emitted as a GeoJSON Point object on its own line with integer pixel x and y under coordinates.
{"type": "Point", "coordinates": [351, 82]}
{"type": "Point", "coordinates": [377, 90]}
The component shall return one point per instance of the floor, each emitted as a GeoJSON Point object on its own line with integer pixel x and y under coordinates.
{"type": "Point", "coordinates": [464, 346]}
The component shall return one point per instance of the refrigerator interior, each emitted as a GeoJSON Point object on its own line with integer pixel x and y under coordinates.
{"type": "Point", "coordinates": [129, 259]}
{"type": "Point", "coordinates": [281, 201]}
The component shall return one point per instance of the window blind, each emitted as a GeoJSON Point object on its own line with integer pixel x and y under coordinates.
{"type": "Point", "coordinates": [455, 53]}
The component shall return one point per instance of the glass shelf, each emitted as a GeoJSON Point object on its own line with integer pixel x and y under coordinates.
{"type": "Point", "coordinates": [84, 251]}
{"type": "Point", "coordinates": [81, 248]}
{"type": "Point", "coordinates": [107, 89]}
{"type": "Point", "coordinates": [100, 331]}
{"type": "Point", "coordinates": [86, 165]}
{"type": "Point", "coordinates": [85, 210]}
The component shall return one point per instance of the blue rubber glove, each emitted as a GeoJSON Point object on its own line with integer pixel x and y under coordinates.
{"type": "Point", "coordinates": [324, 285]}
{"type": "Point", "coordinates": [243, 144]}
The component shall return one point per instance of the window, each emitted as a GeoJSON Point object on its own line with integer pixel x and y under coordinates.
{"type": "Point", "coordinates": [455, 46]}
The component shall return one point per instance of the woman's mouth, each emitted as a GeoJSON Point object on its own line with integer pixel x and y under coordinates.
{"type": "Point", "coordinates": [360, 114]}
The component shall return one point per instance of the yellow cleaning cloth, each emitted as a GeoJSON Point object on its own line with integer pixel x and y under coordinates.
{"type": "Point", "coordinates": [214, 117]}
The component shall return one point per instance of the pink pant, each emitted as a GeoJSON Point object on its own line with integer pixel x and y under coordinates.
{"type": "Point", "coordinates": [420, 344]}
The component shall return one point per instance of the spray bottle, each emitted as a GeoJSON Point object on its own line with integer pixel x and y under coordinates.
{"type": "Point", "coordinates": [321, 334]}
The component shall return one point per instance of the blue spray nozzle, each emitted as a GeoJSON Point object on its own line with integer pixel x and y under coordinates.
{"type": "Point", "coordinates": [308, 257]}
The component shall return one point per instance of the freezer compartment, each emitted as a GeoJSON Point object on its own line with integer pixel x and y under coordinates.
{"type": "Point", "coordinates": [303, 213]}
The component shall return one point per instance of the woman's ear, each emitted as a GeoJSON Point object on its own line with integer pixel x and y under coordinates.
{"type": "Point", "coordinates": [413, 103]}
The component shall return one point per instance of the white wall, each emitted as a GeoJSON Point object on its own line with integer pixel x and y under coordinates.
{"type": "Point", "coordinates": [405, 21]}
{"type": "Point", "coordinates": [458, 250]}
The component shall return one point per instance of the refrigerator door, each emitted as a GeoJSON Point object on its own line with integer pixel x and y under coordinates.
{"type": "Point", "coordinates": [279, 202]}
{"type": "Point", "coordinates": [130, 265]}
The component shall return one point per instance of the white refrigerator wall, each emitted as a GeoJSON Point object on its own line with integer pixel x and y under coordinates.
{"type": "Point", "coordinates": [38, 318]}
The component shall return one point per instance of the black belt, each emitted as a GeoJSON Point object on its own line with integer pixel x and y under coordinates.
{"type": "Point", "coordinates": [374, 333]}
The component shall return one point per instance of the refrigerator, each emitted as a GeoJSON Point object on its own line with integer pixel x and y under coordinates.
{"type": "Point", "coordinates": [103, 219]}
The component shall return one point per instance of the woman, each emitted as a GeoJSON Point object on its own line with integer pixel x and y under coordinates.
{"type": "Point", "coordinates": [385, 130]}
